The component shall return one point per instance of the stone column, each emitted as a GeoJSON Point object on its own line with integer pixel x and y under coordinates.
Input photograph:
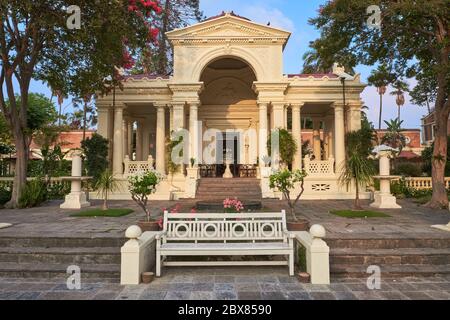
{"type": "Point", "coordinates": [126, 144]}
{"type": "Point", "coordinates": [160, 139]}
{"type": "Point", "coordinates": [330, 133]}
{"type": "Point", "coordinates": [286, 116]}
{"type": "Point", "coordinates": [297, 134]}
{"type": "Point", "coordinates": [76, 199]}
{"type": "Point", "coordinates": [130, 138]}
{"type": "Point", "coordinates": [146, 139]}
{"type": "Point", "coordinates": [339, 136]}
{"type": "Point", "coordinates": [194, 133]}
{"type": "Point", "coordinates": [118, 154]}
{"type": "Point", "coordinates": [354, 117]}
{"type": "Point", "coordinates": [263, 133]}
{"type": "Point", "coordinates": [316, 140]}
{"type": "Point", "coordinates": [278, 115]}
{"type": "Point", "coordinates": [170, 119]}
{"type": "Point", "coordinates": [139, 138]}
{"type": "Point", "coordinates": [178, 116]}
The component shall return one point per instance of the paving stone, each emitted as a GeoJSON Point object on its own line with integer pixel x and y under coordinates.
{"type": "Point", "coordinates": [298, 295]}
{"type": "Point", "coordinates": [181, 286]}
{"type": "Point", "coordinates": [270, 287]}
{"type": "Point", "coordinates": [367, 295]}
{"type": "Point", "coordinates": [202, 295]}
{"type": "Point", "coordinates": [268, 279]}
{"type": "Point", "coordinates": [249, 295]}
{"type": "Point", "coordinates": [438, 295]}
{"type": "Point", "coordinates": [177, 295]}
{"type": "Point", "coordinates": [287, 279]}
{"type": "Point", "coordinates": [274, 295]}
{"type": "Point", "coordinates": [152, 295]}
{"type": "Point", "coordinates": [203, 279]}
{"type": "Point", "coordinates": [183, 279]}
{"type": "Point", "coordinates": [224, 287]}
{"type": "Point", "coordinates": [105, 295]}
{"type": "Point", "coordinates": [245, 279]}
{"type": "Point", "coordinates": [28, 295]}
{"type": "Point", "coordinates": [226, 295]}
{"type": "Point", "coordinates": [247, 286]}
{"type": "Point", "coordinates": [322, 296]}
{"type": "Point", "coordinates": [224, 279]}
{"type": "Point", "coordinates": [315, 287]}
{"type": "Point", "coordinates": [416, 295]}
{"type": "Point", "coordinates": [392, 295]}
{"type": "Point", "coordinates": [203, 287]}
{"type": "Point", "coordinates": [344, 295]}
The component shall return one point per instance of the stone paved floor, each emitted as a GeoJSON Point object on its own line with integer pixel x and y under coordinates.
{"type": "Point", "coordinates": [49, 220]}
{"type": "Point", "coordinates": [229, 284]}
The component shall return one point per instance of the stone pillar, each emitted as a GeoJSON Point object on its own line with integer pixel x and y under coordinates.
{"type": "Point", "coordinates": [139, 138]}
{"type": "Point", "coordinates": [118, 154]}
{"type": "Point", "coordinates": [178, 116]}
{"type": "Point", "coordinates": [194, 133]}
{"type": "Point", "coordinates": [354, 117]}
{"type": "Point", "coordinates": [76, 199]}
{"type": "Point", "coordinates": [263, 133]}
{"type": "Point", "coordinates": [161, 139]}
{"type": "Point", "coordinates": [126, 144]}
{"type": "Point", "coordinates": [286, 117]}
{"type": "Point", "coordinates": [329, 125]}
{"type": "Point", "coordinates": [339, 136]}
{"type": "Point", "coordinates": [297, 134]}
{"type": "Point", "coordinates": [170, 119]}
{"type": "Point", "coordinates": [278, 115]}
{"type": "Point", "coordinates": [384, 199]}
{"type": "Point", "coordinates": [316, 140]}
{"type": "Point", "coordinates": [146, 139]}
{"type": "Point", "coordinates": [130, 138]}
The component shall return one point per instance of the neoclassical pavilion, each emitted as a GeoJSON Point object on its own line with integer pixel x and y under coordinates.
{"type": "Point", "coordinates": [227, 79]}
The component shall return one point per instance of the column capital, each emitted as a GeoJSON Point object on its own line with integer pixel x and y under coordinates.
{"type": "Point", "coordinates": [278, 105]}
{"type": "Point", "coordinates": [297, 105]}
{"type": "Point", "coordinates": [338, 105]}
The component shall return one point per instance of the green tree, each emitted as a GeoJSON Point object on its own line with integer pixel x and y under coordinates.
{"type": "Point", "coordinates": [287, 145]}
{"type": "Point", "coordinates": [381, 78]}
{"type": "Point", "coordinates": [36, 42]}
{"type": "Point", "coordinates": [358, 168]}
{"type": "Point", "coordinates": [394, 136]}
{"type": "Point", "coordinates": [412, 41]}
{"type": "Point", "coordinates": [427, 157]}
{"type": "Point", "coordinates": [400, 88]}
{"type": "Point", "coordinates": [95, 150]}
{"type": "Point", "coordinates": [106, 184]}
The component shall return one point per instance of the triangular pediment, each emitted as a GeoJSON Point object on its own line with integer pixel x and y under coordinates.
{"type": "Point", "coordinates": [227, 26]}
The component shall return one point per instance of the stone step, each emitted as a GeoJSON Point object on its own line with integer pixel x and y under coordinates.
{"type": "Point", "coordinates": [61, 242]}
{"type": "Point", "coordinates": [216, 189]}
{"type": "Point", "coordinates": [403, 256]}
{"type": "Point", "coordinates": [389, 243]}
{"type": "Point", "coordinates": [390, 271]}
{"type": "Point", "coordinates": [94, 255]}
{"type": "Point", "coordinates": [47, 271]}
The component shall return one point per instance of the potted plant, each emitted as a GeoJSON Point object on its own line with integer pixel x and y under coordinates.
{"type": "Point", "coordinates": [285, 181]}
{"type": "Point", "coordinates": [232, 205]}
{"type": "Point", "coordinates": [141, 186]}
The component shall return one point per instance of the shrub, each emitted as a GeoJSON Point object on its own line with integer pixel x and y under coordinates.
{"type": "Point", "coordinates": [95, 152]}
{"type": "Point", "coordinates": [141, 186]}
{"type": "Point", "coordinates": [58, 191]}
{"type": "Point", "coordinates": [407, 169]}
{"type": "Point", "coordinates": [5, 194]}
{"type": "Point", "coordinates": [34, 194]}
{"type": "Point", "coordinates": [287, 145]}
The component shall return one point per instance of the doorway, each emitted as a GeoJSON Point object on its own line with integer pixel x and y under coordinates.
{"type": "Point", "coordinates": [227, 151]}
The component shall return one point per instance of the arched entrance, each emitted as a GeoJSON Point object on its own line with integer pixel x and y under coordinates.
{"type": "Point", "coordinates": [229, 105]}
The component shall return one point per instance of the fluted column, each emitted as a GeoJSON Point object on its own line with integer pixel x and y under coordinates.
{"type": "Point", "coordinates": [263, 132]}
{"type": "Point", "coordinates": [193, 133]}
{"type": "Point", "coordinates": [118, 155]}
{"type": "Point", "coordinates": [316, 140]}
{"type": "Point", "coordinates": [139, 138]}
{"type": "Point", "coordinates": [339, 136]}
{"type": "Point", "coordinates": [297, 134]}
{"type": "Point", "coordinates": [160, 139]}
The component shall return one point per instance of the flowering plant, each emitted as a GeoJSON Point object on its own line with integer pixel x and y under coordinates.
{"type": "Point", "coordinates": [175, 209]}
{"type": "Point", "coordinates": [232, 205]}
{"type": "Point", "coordinates": [142, 185]}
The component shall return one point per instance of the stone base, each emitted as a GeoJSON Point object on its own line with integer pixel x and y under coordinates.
{"type": "Point", "coordinates": [75, 201]}
{"type": "Point", "coordinates": [227, 174]}
{"type": "Point", "coordinates": [442, 227]}
{"type": "Point", "coordinates": [385, 201]}
{"type": "Point", "coordinates": [5, 225]}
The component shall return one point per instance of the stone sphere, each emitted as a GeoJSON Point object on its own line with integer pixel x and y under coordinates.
{"type": "Point", "coordinates": [133, 232]}
{"type": "Point", "coordinates": [317, 231]}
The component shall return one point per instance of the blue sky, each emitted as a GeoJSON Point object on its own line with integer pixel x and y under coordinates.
{"type": "Point", "coordinates": [293, 16]}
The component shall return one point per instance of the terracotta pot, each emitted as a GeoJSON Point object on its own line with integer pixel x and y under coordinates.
{"type": "Point", "coordinates": [148, 225]}
{"type": "Point", "coordinates": [300, 225]}
{"type": "Point", "coordinates": [304, 277]}
{"type": "Point", "coordinates": [147, 277]}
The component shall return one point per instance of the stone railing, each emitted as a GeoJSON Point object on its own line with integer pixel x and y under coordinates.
{"type": "Point", "coordinates": [319, 168]}
{"type": "Point", "coordinates": [134, 167]}
{"type": "Point", "coordinates": [423, 183]}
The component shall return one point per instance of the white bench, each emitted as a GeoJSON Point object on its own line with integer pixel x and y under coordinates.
{"type": "Point", "coordinates": [224, 234]}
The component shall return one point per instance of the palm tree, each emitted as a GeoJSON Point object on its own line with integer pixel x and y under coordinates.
{"type": "Point", "coordinates": [394, 136]}
{"type": "Point", "coordinates": [400, 88]}
{"type": "Point", "coordinates": [380, 78]}
{"type": "Point", "coordinates": [357, 167]}
{"type": "Point", "coordinates": [105, 185]}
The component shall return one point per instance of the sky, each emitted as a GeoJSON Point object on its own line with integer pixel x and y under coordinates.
{"type": "Point", "coordinates": [293, 15]}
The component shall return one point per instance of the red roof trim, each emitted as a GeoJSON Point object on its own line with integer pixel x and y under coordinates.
{"type": "Point", "coordinates": [314, 75]}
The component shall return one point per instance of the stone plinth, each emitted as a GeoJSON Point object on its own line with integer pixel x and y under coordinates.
{"type": "Point", "coordinates": [384, 199]}
{"type": "Point", "coordinates": [76, 199]}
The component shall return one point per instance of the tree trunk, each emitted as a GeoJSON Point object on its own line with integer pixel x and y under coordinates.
{"type": "Point", "coordinates": [381, 112]}
{"type": "Point", "coordinates": [357, 204]}
{"type": "Point", "coordinates": [398, 116]}
{"type": "Point", "coordinates": [20, 176]}
{"type": "Point", "coordinates": [84, 120]}
{"type": "Point", "coordinates": [439, 161]}
{"type": "Point", "coordinates": [105, 202]}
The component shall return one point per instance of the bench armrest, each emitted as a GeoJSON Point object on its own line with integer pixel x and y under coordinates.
{"type": "Point", "coordinates": [289, 234]}
{"type": "Point", "coordinates": [161, 235]}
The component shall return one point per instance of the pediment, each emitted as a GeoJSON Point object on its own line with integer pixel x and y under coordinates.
{"type": "Point", "coordinates": [227, 27]}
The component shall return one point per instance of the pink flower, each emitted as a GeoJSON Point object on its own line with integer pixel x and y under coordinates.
{"type": "Point", "coordinates": [160, 222]}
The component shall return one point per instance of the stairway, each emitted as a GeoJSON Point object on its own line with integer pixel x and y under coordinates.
{"type": "Point", "coordinates": [396, 257]}
{"type": "Point", "coordinates": [98, 258]}
{"type": "Point", "coordinates": [218, 189]}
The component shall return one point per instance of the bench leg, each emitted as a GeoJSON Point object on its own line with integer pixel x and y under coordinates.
{"type": "Point", "coordinates": [158, 265]}
{"type": "Point", "coordinates": [291, 264]}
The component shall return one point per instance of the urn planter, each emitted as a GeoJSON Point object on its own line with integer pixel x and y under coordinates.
{"type": "Point", "coordinates": [148, 226]}
{"type": "Point", "coordinates": [299, 225]}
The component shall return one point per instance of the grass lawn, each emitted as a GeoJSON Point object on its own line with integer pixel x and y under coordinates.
{"type": "Point", "coordinates": [103, 213]}
{"type": "Point", "coordinates": [359, 214]}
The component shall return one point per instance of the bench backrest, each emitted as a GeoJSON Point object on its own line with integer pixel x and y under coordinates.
{"type": "Point", "coordinates": [223, 227]}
